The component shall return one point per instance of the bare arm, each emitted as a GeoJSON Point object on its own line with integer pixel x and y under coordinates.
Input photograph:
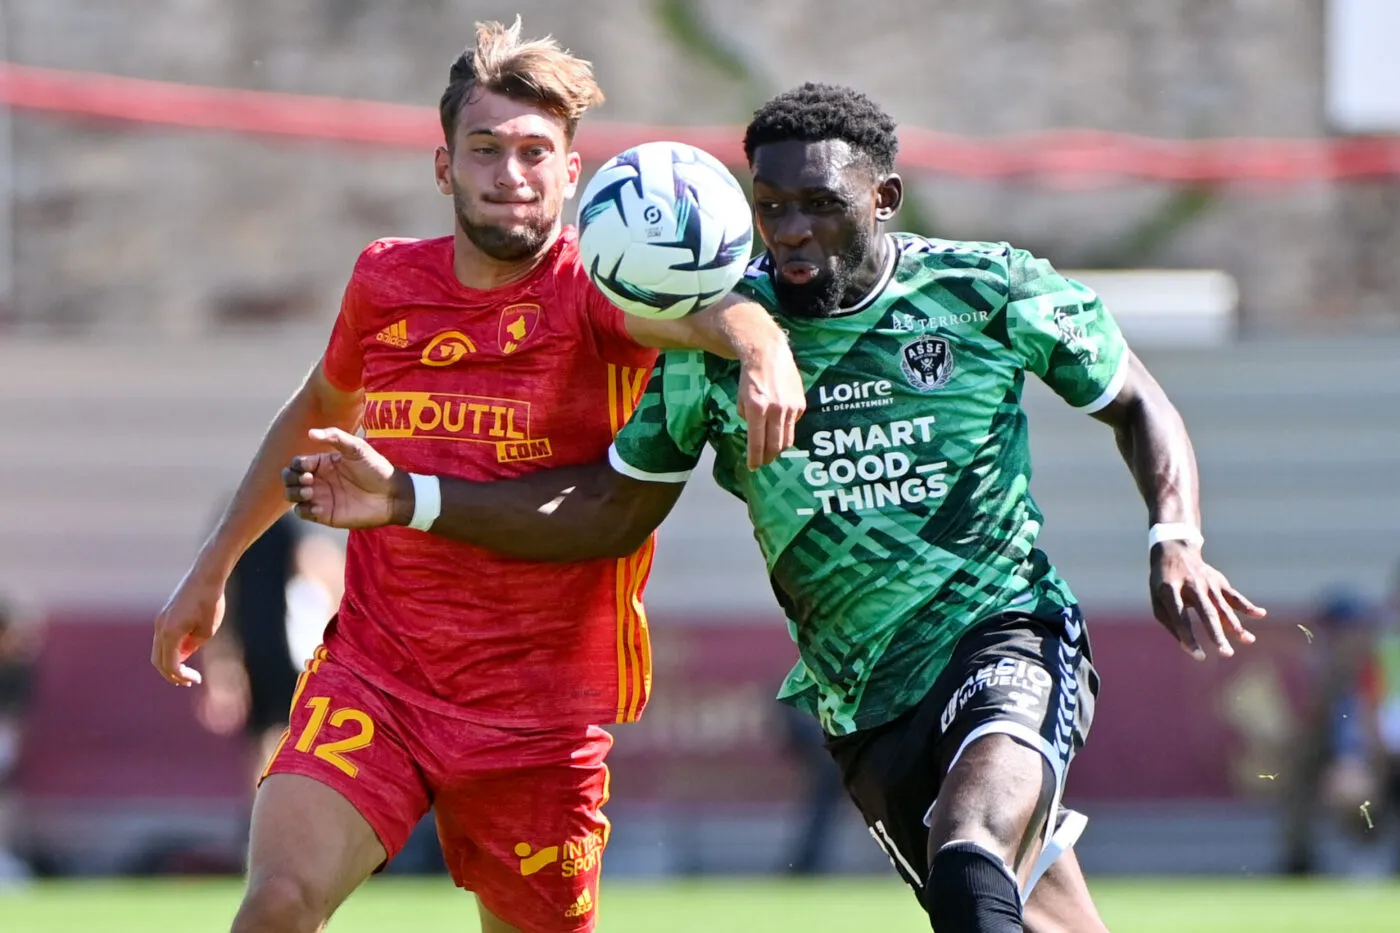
{"type": "Point", "coordinates": [567, 514]}
{"type": "Point", "coordinates": [734, 328]}
{"type": "Point", "coordinates": [771, 393]}
{"type": "Point", "coordinates": [1154, 443]}
{"type": "Point", "coordinates": [258, 501]}
{"type": "Point", "coordinates": [195, 609]}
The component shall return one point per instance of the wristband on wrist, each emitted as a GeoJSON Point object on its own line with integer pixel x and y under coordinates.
{"type": "Point", "coordinates": [427, 501]}
{"type": "Point", "coordinates": [1173, 531]}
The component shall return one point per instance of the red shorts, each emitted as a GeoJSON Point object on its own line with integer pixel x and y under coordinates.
{"type": "Point", "coordinates": [519, 812]}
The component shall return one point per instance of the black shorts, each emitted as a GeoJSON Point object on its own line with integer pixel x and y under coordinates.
{"type": "Point", "coordinates": [1024, 676]}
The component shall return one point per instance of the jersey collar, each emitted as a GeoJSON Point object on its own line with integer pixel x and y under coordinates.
{"type": "Point", "coordinates": [887, 273]}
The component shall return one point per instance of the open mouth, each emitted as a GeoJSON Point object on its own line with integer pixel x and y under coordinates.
{"type": "Point", "coordinates": [797, 272]}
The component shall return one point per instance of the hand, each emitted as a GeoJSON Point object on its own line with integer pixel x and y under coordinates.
{"type": "Point", "coordinates": [771, 399]}
{"type": "Point", "coordinates": [1182, 582]}
{"type": "Point", "coordinates": [353, 486]}
{"type": "Point", "coordinates": [190, 618]}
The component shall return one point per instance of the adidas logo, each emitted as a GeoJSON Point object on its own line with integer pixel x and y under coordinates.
{"type": "Point", "coordinates": [395, 335]}
{"type": "Point", "coordinates": [581, 906]}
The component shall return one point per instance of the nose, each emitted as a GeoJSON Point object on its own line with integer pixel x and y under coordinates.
{"type": "Point", "coordinates": [792, 228]}
{"type": "Point", "coordinates": [511, 173]}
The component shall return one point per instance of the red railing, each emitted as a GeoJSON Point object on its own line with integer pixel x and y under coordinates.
{"type": "Point", "coordinates": [1075, 157]}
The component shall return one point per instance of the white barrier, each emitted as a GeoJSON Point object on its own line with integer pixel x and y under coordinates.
{"type": "Point", "coordinates": [1168, 307]}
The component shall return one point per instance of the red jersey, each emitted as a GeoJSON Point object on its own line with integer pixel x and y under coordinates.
{"type": "Point", "coordinates": [489, 385]}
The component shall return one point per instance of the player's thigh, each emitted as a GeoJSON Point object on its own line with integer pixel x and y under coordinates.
{"type": "Point", "coordinates": [998, 794]}
{"type": "Point", "coordinates": [1061, 903]}
{"type": "Point", "coordinates": [529, 841]}
{"type": "Point", "coordinates": [308, 845]}
{"type": "Point", "coordinates": [341, 793]}
{"type": "Point", "coordinates": [490, 923]}
{"type": "Point", "coordinates": [1008, 730]}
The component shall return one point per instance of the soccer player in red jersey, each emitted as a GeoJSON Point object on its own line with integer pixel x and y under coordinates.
{"type": "Point", "coordinates": [454, 677]}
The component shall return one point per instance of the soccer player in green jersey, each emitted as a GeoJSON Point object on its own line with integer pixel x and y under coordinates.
{"type": "Point", "coordinates": [945, 658]}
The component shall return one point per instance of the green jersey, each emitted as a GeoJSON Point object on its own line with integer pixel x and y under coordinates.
{"type": "Point", "coordinates": [903, 514]}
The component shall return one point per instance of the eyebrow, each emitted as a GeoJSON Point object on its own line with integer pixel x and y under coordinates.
{"type": "Point", "coordinates": [485, 131]}
{"type": "Point", "coordinates": [806, 189]}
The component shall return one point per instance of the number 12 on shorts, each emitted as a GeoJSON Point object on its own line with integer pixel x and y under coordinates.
{"type": "Point", "coordinates": [334, 752]}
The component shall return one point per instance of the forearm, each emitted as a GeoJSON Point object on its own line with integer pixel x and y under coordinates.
{"type": "Point", "coordinates": [735, 328]}
{"type": "Point", "coordinates": [561, 515]}
{"type": "Point", "coordinates": [259, 500]}
{"type": "Point", "coordinates": [739, 330]}
{"type": "Point", "coordinates": [1157, 449]}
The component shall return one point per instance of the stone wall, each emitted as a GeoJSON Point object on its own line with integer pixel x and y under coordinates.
{"type": "Point", "coordinates": [120, 228]}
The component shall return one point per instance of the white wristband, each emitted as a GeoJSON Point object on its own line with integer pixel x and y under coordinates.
{"type": "Point", "coordinates": [427, 501]}
{"type": "Point", "coordinates": [1173, 531]}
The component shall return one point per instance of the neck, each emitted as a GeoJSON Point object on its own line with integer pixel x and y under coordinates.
{"type": "Point", "coordinates": [867, 275]}
{"type": "Point", "coordinates": [475, 269]}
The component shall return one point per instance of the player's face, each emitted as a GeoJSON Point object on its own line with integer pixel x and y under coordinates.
{"type": "Point", "coordinates": [819, 207]}
{"type": "Point", "coordinates": [509, 172]}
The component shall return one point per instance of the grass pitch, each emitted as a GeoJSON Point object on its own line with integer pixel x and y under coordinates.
{"type": "Point", "coordinates": [732, 905]}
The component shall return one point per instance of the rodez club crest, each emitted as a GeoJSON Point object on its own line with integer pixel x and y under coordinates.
{"type": "Point", "coordinates": [927, 362]}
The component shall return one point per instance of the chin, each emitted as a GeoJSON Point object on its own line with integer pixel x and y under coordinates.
{"type": "Point", "coordinates": [820, 297]}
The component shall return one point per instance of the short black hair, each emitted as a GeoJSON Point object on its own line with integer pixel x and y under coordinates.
{"type": "Point", "coordinates": [816, 112]}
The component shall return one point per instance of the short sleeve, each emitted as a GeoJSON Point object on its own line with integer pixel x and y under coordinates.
{"type": "Point", "coordinates": [1064, 334]}
{"type": "Point", "coordinates": [344, 361]}
{"type": "Point", "coordinates": [663, 440]}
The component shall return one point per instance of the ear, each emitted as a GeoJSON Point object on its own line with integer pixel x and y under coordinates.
{"type": "Point", "coordinates": [889, 194]}
{"type": "Point", "coordinates": [574, 163]}
{"type": "Point", "coordinates": [442, 169]}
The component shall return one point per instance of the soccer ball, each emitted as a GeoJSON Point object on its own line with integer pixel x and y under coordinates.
{"type": "Point", "coordinates": [664, 230]}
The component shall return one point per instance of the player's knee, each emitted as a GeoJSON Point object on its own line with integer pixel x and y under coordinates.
{"type": "Point", "coordinates": [278, 903]}
{"type": "Point", "coordinates": [970, 890]}
{"type": "Point", "coordinates": [998, 830]}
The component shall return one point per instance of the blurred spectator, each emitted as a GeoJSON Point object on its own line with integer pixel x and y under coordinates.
{"type": "Point", "coordinates": [1380, 695]}
{"type": "Point", "coordinates": [19, 648]}
{"type": "Point", "coordinates": [281, 595]}
{"type": "Point", "coordinates": [823, 798]}
{"type": "Point", "coordinates": [1339, 768]}
{"type": "Point", "coordinates": [313, 594]}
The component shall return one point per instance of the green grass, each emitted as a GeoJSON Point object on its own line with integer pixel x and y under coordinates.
{"type": "Point", "coordinates": [733, 906]}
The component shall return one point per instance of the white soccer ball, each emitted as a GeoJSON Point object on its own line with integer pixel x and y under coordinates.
{"type": "Point", "coordinates": [664, 230]}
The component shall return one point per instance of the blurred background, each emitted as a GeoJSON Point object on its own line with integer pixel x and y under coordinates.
{"type": "Point", "coordinates": [185, 185]}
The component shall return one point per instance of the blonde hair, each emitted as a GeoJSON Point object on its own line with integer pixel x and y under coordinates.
{"type": "Point", "coordinates": [533, 71]}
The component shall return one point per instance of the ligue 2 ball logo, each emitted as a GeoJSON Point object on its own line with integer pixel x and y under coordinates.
{"type": "Point", "coordinates": [652, 214]}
